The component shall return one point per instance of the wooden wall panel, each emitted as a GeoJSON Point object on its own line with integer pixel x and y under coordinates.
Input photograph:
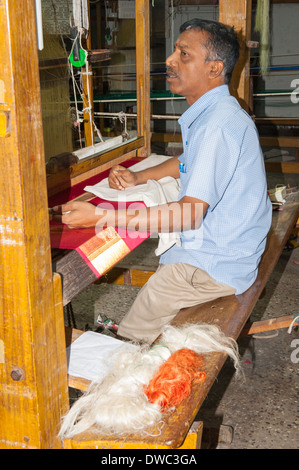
{"type": "Point", "coordinates": [238, 14]}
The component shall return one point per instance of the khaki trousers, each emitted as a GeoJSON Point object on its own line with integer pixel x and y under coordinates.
{"type": "Point", "coordinates": [168, 290]}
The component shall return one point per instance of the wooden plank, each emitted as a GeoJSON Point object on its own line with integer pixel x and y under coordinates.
{"type": "Point", "coordinates": [164, 137]}
{"type": "Point", "coordinates": [94, 165]}
{"type": "Point", "coordinates": [99, 55]}
{"type": "Point", "coordinates": [267, 325]}
{"type": "Point", "coordinates": [279, 141]}
{"type": "Point", "coordinates": [135, 276]}
{"type": "Point", "coordinates": [79, 383]}
{"type": "Point", "coordinates": [75, 274]}
{"type": "Point", "coordinates": [59, 387]}
{"type": "Point", "coordinates": [282, 167]}
{"type": "Point", "coordinates": [277, 121]}
{"type": "Point", "coordinates": [192, 441]}
{"type": "Point", "coordinates": [33, 380]}
{"type": "Point", "coordinates": [174, 433]}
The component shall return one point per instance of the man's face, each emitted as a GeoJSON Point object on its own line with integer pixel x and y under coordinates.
{"type": "Point", "coordinates": [188, 73]}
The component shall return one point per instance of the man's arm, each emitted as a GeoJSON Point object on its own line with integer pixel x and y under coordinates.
{"type": "Point", "coordinates": [121, 178]}
{"type": "Point", "coordinates": [185, 214]}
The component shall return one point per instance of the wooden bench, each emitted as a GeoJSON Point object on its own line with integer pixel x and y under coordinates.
{"type": "Point", "coordinates": [231, 314]}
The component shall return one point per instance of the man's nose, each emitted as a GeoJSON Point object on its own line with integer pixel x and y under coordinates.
{"type": "Point", "coordinates": [170, 60]}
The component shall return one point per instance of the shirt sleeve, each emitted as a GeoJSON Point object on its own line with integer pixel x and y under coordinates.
{"type": "Point", "coordinates": [210, 162]}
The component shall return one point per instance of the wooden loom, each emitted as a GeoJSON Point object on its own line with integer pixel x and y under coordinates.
{"type": "Point", "coordinates": [34, 382]}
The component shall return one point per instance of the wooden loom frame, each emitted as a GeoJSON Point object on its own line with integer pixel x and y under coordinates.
{"type": "Point", "coordinates": [33, 368]}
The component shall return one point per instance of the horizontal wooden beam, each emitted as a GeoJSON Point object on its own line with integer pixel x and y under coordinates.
{"type": "Point", "coordinates": [277, 121]}
{"type": "Point", "coordinates": [279, 141]}
{"type": "Point", "coordinates": [67, 177]}
{"type": "Point", "coordinates": [267, 325]}
{"type": "Point", "coordinates": [135, 276]}
{"type": "Point", "coordinates": [76, 275]}
{"type": "Point", "coordinates": [282, 167]}
{"type": "Point", "coordinates": [162, 137]}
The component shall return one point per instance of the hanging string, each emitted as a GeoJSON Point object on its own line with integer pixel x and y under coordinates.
{"type": "Point", "coordinates": [90, 108]}
{"type": "Point", "coordinates": [78, 120]}
{"type": "Point", "coordinates": [123, 119]}
{"type": "Point", "coordinates": [75, 88]}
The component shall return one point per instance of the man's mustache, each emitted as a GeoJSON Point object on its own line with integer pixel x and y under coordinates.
{"type": "Point", "coordinates": [171, 72]}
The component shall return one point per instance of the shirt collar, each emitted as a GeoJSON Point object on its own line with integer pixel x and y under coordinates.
{"type": "Point", "coordinates": [206, 100]}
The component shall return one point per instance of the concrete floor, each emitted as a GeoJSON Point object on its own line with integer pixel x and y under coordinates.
{"type": "Point", "coordinates": [262, 410]}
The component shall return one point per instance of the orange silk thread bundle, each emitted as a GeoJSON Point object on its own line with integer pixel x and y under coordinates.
{"type": "Point", "coordinates": [173, 380]}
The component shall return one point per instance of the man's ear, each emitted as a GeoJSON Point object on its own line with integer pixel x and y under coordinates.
{"type": "Point", "coordinates": [216, 68]}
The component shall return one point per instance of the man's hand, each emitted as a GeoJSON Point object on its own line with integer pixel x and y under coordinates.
{"type": "Point", "coordinates": [121, 178]}
{"type": "Point", "coordinates": [76, 214]}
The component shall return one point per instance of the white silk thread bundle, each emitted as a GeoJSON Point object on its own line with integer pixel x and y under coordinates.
{"type": "Point", "coordinates": [202, 339]}
{"type": "Point", "coordinates": [118, 404]}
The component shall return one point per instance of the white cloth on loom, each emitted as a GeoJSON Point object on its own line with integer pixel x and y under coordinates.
{"type": "Point", "coordinates": [151, 193]}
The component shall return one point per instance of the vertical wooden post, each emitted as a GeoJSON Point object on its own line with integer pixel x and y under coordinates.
{"type": "Point", "coordinates": [143, 73]}
{"type": "Point", "coordinates": [33, 375]}
{"type": "Point", "coordinates": [87, 92]}
{"type": "Point", "coordinates": [238, 14]}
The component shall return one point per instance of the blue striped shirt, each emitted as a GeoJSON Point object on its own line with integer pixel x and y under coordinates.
{"type": "Point", "coordinates": [222, 164]}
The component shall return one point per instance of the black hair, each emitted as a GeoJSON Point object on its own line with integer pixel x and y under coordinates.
{"type": "Point", "coordinates": [222, 43]}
